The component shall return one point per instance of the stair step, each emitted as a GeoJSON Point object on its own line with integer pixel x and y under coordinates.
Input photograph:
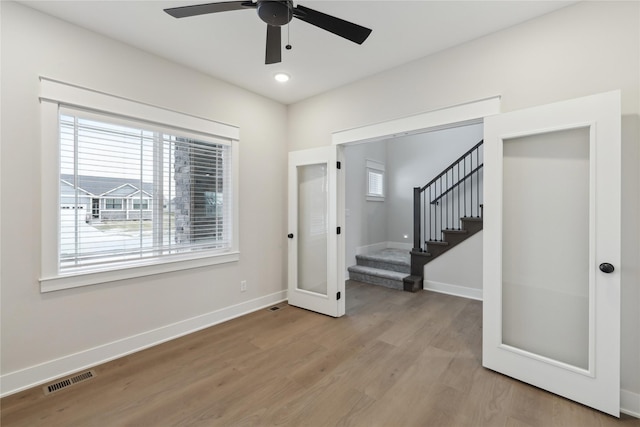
{"type": "Point", "coordinates": [472, 224]}
{"type": "Point", "coordinates": [377, 276]}
{"type": "Point", "coordinates": [387, 259]}
{"type": "Point", "coordinates": [437, 243]}
{"type": "Point", "coordinates": [454, 237]}
{"type": "Point", "coordinates": [471, 218]}
{"type": "Point", "coordinates": [436, 247]}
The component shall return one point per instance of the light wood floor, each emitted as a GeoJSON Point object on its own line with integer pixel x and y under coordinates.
{"type": "Point", "coordinates": [395, 359]}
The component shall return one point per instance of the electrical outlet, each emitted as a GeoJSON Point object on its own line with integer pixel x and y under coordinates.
{"type": "Point", "coordinates": [243, 286]}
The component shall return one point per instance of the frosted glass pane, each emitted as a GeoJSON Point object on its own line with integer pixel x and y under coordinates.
{"type": "Point", "coordinates": [313, 219]}
{"type": "Point", "coordinates": [545, 245]}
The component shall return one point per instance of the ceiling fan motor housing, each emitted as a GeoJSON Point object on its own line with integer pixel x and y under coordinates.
{"type": "Point", "coordinates": [276, 13]}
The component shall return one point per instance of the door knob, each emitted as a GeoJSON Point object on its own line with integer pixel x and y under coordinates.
{"type": "Point", "coordinates": [290, 235]}
{"type": "Point", "coordinates": [605, 267]}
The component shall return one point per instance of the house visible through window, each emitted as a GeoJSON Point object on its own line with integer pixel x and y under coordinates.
{"type": "Point", "coordinates": [375, 180]}
{"type": "Point", "coordinates": [135, 190]}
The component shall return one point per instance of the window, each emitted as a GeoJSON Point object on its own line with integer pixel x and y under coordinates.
{"type": "Point", "coordinates": [144, 205]}
{"type": "Point", "coordinates": [375, 180]}
{"type": "Point", "coordinates": [142, 197]}
{"type": "Point", "coordinates": [113, 204]}
{"type": "Point", "coordinates": [101, 154]}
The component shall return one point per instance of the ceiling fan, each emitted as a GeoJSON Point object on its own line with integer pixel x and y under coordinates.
{"type": "Point", "coordinates": [276, 13]}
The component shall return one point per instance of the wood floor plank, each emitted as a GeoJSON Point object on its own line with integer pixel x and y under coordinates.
{"type": "Point", "coordinates": [394, 359]}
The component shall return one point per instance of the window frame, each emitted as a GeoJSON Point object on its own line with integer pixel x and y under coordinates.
{"type": "Point", "coordinates": [143, 204]}
{"type": "Point", "coordinates": [55, 95]}
{"type": "Point", "coordinates": [111, 202]}
{"type": "Point", "coordinates": [373, 166]}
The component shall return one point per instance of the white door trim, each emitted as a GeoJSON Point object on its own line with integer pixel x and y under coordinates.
{"type": "Point", "coordinates": [443, 118]}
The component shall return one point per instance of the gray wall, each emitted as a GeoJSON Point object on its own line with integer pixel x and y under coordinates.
{"type": "Point", "coordinates": [412, 161]}
{"type": "Point", "coordinates": [366, 220]}
{"type": "Point", "coordinates": [580, 50]}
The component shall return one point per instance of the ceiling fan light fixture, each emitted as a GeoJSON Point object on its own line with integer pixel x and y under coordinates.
{"type": "Point", "coordinates": [282, 77]}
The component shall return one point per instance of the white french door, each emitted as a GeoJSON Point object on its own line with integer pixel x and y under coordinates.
{"type": "Point", "coordinates": [551, 311]}
{"type": "Point", "coordinates": [313, 232]}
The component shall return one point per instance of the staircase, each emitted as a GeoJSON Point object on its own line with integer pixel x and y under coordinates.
{"type": "Point", "coordinates": [387, 267]}
{"type": "Point", "coordinates": [446, 212]}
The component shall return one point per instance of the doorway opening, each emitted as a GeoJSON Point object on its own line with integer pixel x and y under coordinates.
{"type": "Point", "coordinates": [379, 230]}
{"type": "Point", "coordinates": [430, 124]}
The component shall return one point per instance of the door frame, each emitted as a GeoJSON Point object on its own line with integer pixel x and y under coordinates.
{"type": "Point", "coordinates": [453, 116]}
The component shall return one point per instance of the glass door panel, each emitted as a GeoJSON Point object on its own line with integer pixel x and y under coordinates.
{"type": "Point", "coordinates": [545, 273]}
{"type": "Point", "coordinates": [313, 220]}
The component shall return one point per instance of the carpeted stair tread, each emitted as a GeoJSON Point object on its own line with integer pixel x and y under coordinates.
{"type": "Point", "coordinates": [387, 274]}
{"type": "Point", "coordinates": [390, 256]}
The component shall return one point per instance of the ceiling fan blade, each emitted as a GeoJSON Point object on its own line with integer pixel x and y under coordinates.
{"type": "Point", "coordinates": [350, 31]}
{"type": "Point", "coordinates": [201, 9]}
{"type": "Point", "coordinates": [274, 45]}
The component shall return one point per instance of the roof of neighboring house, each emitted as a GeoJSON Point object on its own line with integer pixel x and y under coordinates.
{"type": "Point", "coordinates": [100, 185]}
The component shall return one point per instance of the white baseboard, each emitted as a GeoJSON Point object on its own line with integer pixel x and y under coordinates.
{"type": "Point", "coordinates": [630, 403]}
{"type": "Point", "coordinates": [400, 245]}
{"type": "Point", "coordinates": [367, 249]}
{"type": "Point", "coordinates": [23, 379]}
{"type": "Point", "coordinates": [459, 291]}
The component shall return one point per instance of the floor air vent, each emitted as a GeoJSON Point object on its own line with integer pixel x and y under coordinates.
{"type": "Point", "coordinates": [68, 382]}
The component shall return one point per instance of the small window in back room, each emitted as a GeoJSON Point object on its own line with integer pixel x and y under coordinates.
{"type": "Point", "coordinates": [375, 180]}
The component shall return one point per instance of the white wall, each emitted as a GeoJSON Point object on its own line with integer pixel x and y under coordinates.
{"type": "Point", "coordinates": [45, 334]}
{"type": "Point", "coordinates": [444, 274]}
{"type": "Point", "coordinates": [583, 49]}
{"type": "Point", "coordinates": [366, 220]}
{"type": "Point", "coordinates": [412, 162]}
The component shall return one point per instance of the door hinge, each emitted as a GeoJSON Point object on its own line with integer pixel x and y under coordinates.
{"type": "Point", "coordinates": [339, 230]}
{"type": "Point", "coordinates": [338, 165]}
{"type": "Point", "coordinates": [338, 296]}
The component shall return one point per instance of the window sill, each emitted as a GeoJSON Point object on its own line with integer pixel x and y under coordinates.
{"type": "Point", "coordinates": [78, 279]}
{"type": "Point", "coordinates": [375, 199]}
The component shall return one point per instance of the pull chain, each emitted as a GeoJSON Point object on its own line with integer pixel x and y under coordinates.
{"type": "Point", "coordinates": [288, 46]}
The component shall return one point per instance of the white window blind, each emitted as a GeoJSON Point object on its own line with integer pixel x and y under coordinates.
{"type": "Point", "coordinates": [375, 179]}
{"type": "Point", "coordinates": [131, 191]}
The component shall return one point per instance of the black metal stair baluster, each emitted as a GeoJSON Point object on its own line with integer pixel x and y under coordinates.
{"type": "Point", "coordinates": [458, 196]}
{"type": "Point", "coordinates": [433, 212]}
{"type": "Point", "coordinates": [471, 160]}
{"type": "Point", "coordinates": [478, 179]}
{"type": "Point", "coordinates": [451, 200]}
{"type": "Point", "coordinates": [416, 219]}
{"type": "Point", "coordinates": [465, 185]}
{"type": "Point", "coordinates": [425, 225]}
{"type": "Point", "coordinates": [440, 201]}
{"type": "Point", "coordinates": [446, 207]}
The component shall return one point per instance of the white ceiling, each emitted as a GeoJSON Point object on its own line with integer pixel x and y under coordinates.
{"type": "Point", "coordinates": [230, 45]}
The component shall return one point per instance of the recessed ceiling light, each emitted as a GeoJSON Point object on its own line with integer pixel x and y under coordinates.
{"type": "Point", "coordinates": [282, 77]}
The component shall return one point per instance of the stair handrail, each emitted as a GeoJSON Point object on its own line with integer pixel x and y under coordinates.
{"type": "Point", "coordinates": [460, 181]}
{"type": "Point", "coordinates": [458, 160]}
